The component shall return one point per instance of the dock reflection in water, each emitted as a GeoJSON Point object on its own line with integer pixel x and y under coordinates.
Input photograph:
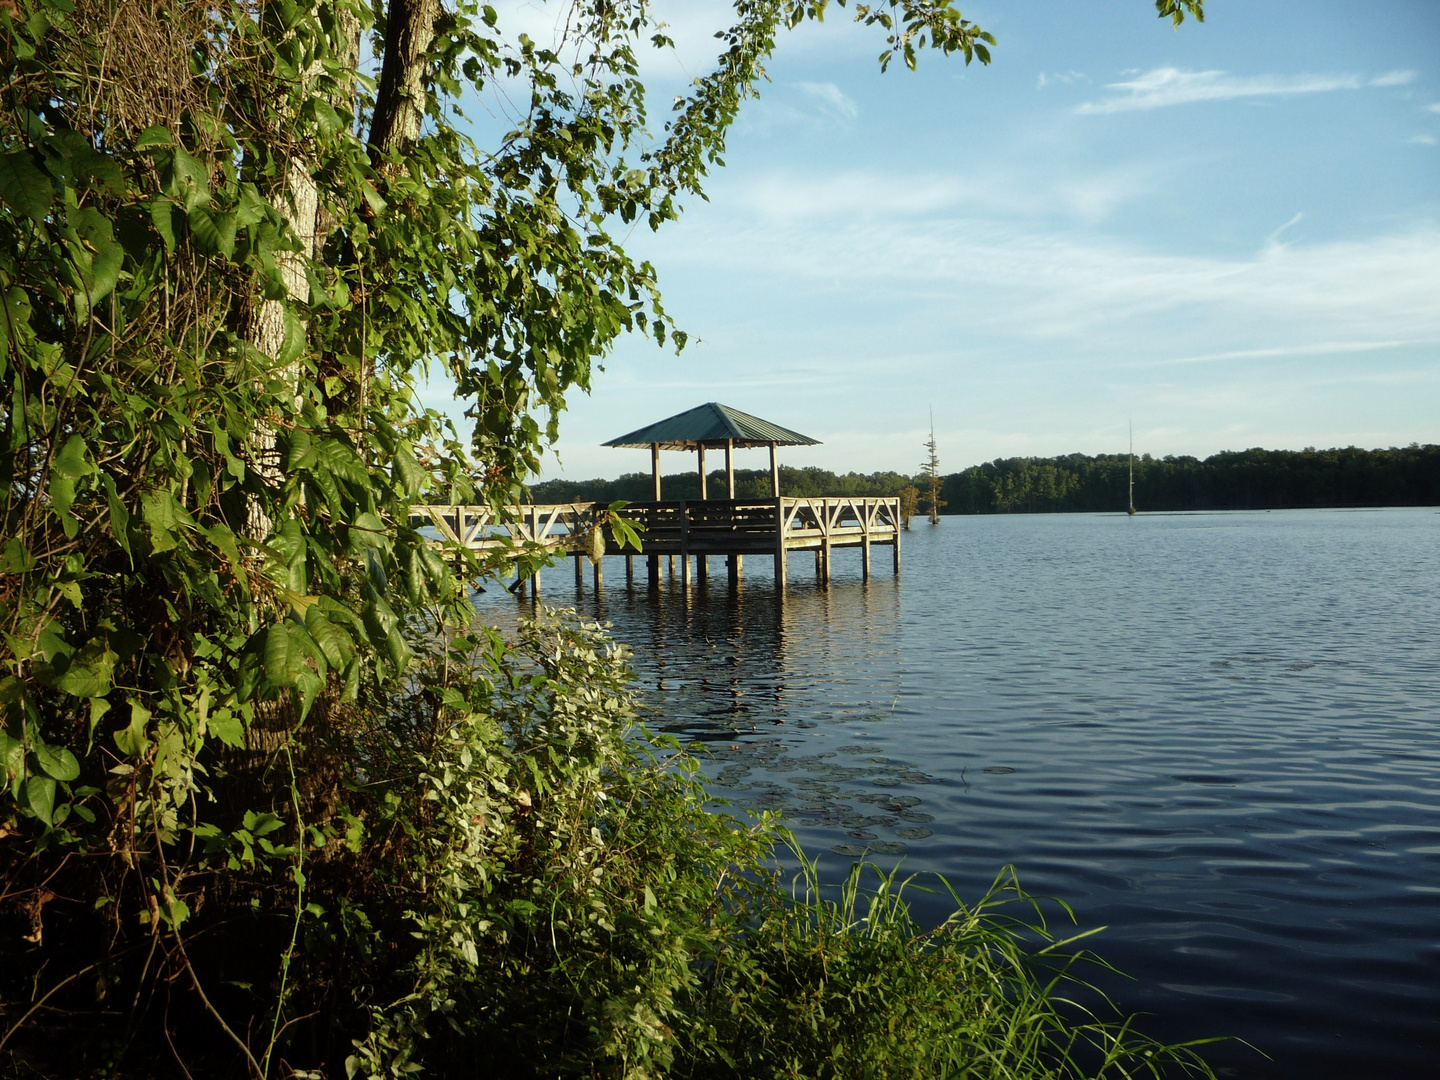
{"type": "Point", "coordinates": [1219, 735]}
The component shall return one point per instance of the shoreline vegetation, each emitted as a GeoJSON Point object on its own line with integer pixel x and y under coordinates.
{"type": "Point", "coordinates": [1233, 480]}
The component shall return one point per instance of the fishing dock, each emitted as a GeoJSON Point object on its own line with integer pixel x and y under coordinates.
{"type": "Point", "coordinates": [690, 530]}
{"type": "Point", "coordinates": [729, 527]}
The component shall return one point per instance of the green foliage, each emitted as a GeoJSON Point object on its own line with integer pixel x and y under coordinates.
{"type": "Point", "coordinates": [909, 504]}
{"type": "Point", "coordinates": [855, 987]}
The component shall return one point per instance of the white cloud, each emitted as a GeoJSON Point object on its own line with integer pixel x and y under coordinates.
{"type": "Point", "coordinates": [1064, 77]}
{"type": "Point", "coordinates": [1435, 107]}
{"type": "Point", "coordinates": [1424, 140]}
{"type": "Point", "coordinates": [864, 195]}
{"type": "Point", "coordinates": [1313, 348]}
{"type": "Point", "coordinates": [792, 198]}
{"type": "Point", "coordinates": [1168, 86]}
{"type": "Point", "coordinates": [830, 98]}
{"type": "Point", "coordinates": [1394, 78]}
{"type": "Point", "coordinates": [1023, 282]}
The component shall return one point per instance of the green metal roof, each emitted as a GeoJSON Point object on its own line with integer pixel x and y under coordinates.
{"type": "Point", "coordinates": [712, 424]}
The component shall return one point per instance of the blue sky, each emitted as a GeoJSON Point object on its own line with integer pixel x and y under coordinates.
{"type": "Point", "coordinates": [1230, 233]}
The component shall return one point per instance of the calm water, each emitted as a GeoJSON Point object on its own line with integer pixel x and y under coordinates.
{"type": "Point", "coordinates": [1218, 735]}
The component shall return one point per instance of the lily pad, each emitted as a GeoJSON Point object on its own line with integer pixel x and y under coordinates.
{"type": "Point", "coordinates": [888, 847]}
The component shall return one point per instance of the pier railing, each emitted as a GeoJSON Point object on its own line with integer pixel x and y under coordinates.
{"type": "Point", "coordinates": [684, 527]}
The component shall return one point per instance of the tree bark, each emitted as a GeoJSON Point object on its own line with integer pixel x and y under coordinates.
{"type": "Point", "coordinates": [400, 98]}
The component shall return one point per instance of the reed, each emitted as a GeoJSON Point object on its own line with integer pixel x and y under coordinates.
{"type": "Point", "coordinates": [854, 986]}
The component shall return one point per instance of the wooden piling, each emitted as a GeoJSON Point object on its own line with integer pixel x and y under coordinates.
{"type": "Point", "coordinates": [684, 548]}
{"type": "Point", "coordinates": [779, 542]}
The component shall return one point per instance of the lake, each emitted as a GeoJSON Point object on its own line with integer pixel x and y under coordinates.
{"type": "Point", "coordinates": [1217, 735]}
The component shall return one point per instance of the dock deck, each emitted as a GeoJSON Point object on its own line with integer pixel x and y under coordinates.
{"type": "Point", "coordinates": [733, 528]}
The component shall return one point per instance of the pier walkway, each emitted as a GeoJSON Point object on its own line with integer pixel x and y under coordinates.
{"type": "Point", "coordinates": [733, 528]}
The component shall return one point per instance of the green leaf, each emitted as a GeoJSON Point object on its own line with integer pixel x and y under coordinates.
{"type": "Point", "coordinates": [408, 471]}
{"type": "Point", "coordinates": [165, 517]}
{"type": "Point", "coordinates": [70, 461]}
{"type": "Point", "coordinates": [131, 740]}
{"type": "Point", "coordinates": [99, 706]}
{"type": "Point", "coordinates": [214, 232]}
{"type": "Point", "coordinates": [57, 762]}
{"type": "Point", "coordinates": [162, 213]}
{"type": "Point", "coordinates": [98, 256]}
{"type": "Point", "coordinates": [187, 180]}
{"type": "Point", "coordinates": [228, 729]}
{"type": "Point", "coordinates": [14, 314]}
{"type": "Point", "coordinates": [119, 516]}
{"type": "Point", "coordinates": [333, 644]}
{"type": "Point", "coordinates": [294, 342]}
{"type": "Point", "coordinates": [12, 756]}
{"type": "Point", "coordinates": [62, 497]}
{"type": "Point", "coordinates": [283, 658]}
{"type": "Point", "coordinates": [15, 557]}
{"type": "Point", "coordinates": [40, 797]}
{"type": "Point", "coordinates": [85, 680]}
{"type": "Point", "coordinates": [154, 136]}
{"type": "Point", "coordinates": [24, 187]}
{"type": "Point", "coordinates": [326, 118]}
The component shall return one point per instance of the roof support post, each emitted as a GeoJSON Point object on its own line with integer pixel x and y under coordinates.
{"type": "Point", "coordinates": [700, 448]}
{"type": "Point", "coordinates": [774, 474]}
{"type": "Point", "coordinates": [655, 467]}
{"type": "Point", "coordinates": [730, 468]}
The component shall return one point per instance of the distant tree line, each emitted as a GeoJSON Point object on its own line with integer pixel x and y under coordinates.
{"type": "Point", "coordinates": [1233, 480]}
{"type": "Point", "coordinates": [749, 484]}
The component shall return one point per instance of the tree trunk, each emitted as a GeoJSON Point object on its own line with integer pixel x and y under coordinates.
{"type": "Point", "coordinates": [400, 98]}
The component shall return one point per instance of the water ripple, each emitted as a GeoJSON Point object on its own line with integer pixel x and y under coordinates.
{"type": "Point", "coordinates": [1215, 734]}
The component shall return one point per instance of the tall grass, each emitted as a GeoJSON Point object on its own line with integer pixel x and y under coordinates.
{"type": "Point", "coordinates": [854, 987]}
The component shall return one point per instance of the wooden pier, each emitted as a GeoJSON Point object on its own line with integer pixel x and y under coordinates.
{"type": "Point", "coordinates": [698, 528]}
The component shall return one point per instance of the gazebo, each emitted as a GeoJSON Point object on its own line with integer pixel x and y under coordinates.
{"type": "Point", "coordinates": [716, 427]}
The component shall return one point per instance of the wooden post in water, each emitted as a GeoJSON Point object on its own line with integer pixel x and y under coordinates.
{"type": "Point", "coordinates": [652, 567]}
{"type": "Point", "coordinates": [865, 540]}
{"type": "Point", "coordinates": [684, 548]}
{"type": "Point", "coordinates": [629, 570]}
{"type": "Point", "coordinates": [535, 534]}
{"type": "Point", "coordinates": [599, 575]}
{"type": "Point", "coordinates": [579, 572]}
{"type": "Point", "coordinates": [779, 543]}
{"type": "Point", "coordinates": [734, 564]}
{"type": "Point", "coordinates": [897, 549]}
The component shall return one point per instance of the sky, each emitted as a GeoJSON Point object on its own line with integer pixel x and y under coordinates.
{"type": "Point", "coordinates": [1226, 234]}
